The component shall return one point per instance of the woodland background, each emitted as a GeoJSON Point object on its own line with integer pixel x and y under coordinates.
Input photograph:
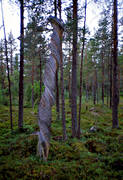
{"type": "Point", "coordinates": [87, 119]}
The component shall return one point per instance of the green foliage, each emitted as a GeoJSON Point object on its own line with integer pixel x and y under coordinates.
{"type": "Point", "coordinates": [3, 99]}
{"type": "Point", "coordinates": [97, 155]}
{"type": "Point", "coordinates": [28, 94]}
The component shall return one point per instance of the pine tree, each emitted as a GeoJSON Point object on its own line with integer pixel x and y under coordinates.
{"type": "Point", "coordinates": [20, 120]}
{"type": "Point", "coordinates": [74, 71]}
{"type": "Point", "coordinates": [81, 72]}
{"type": "Point", "coordinates": [57, 80]}
{"type": "Point", "coordinates": [2, 66]}
{"type": "Point", "coordinates": [115, 123]}
{"type": "Point", "coordinates": [62, 83]}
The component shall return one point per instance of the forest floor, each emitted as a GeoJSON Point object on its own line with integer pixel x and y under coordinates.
{"type": "Point", "coordinates": [96, 156]}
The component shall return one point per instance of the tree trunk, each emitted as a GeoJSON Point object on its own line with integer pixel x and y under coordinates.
{"type": "Point", "coordinates": [2, 71]}
{"type": "Point", "coordinates": [103, 78]}
{"type": "Point", "coordinates": [62, 95]}
{"type": "Point", "coordinates": [81, 73]}
{"type": "Point", "coordinates": [107, 92]}
{"type": "Point", "coordinates": [20, 121]}
{"type": "Point", "coordinates": [48, 97]}
{"type": "Point", "coordinates": [57, 80]}
{"type": "Point", "coordinates": [108, 80]}
{"type": "Point", "coordinates": [86, 76]}
{"type": "Point", "coordinates": [62, 82]}
{"type": "Point", "coordinates": [11, 60]}
{"type": "Point", "coordinates": [95, 86]}
{"type": "Point", "coordinates": [115, 98]}
{"type": "Point", "coordinates": [69, 78]}
{"type": "Point", "coordinates": [110, 69]}
{"type": "Point", "coordinates": [74, 72]}
{"type": "Point", "coordinates": [55, 7]}
{"type": "Point", "coordinates": [7, 62]}
{"type": "Point", "coordinates": [59, 8]}
{"type": "Point", "coordinates": [57, 96]}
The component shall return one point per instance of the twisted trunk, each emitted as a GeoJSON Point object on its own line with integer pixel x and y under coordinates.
{"type": "Point", "coordinates": [48, 97]}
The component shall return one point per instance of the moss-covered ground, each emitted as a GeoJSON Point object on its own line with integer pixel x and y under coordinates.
{"type": "Point", "coordinates": [96, 156]}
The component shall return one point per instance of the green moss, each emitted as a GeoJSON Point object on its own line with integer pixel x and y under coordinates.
{"type": "Point", "coordinates": [96, 154]}
{"type": "Point", "coordinates": [79, 147]}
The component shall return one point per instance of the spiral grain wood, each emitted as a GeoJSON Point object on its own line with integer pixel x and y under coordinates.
{"type": "Point", "coordinates": [48, 97]}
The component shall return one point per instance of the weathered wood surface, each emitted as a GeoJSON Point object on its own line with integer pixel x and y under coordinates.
{"type": "Point", "coordinates": [48, 97]}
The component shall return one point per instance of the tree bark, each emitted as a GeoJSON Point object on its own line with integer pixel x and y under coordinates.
{"type": "Point", "coordinates": [57, 80]}
{"type": "Point", "coordinates": [111, 64]}
{"type": "Point", "coordinates": [86, 77]}
{"type": "Point", "coordinates": [81, 73]}
{"type": "Point", "coordinates": [55, 7]}
{"type": "Point", "coordinates": [2, 70]}
{"type": "Point", "coordinates": [20, 120]}
{"type": "Point", "coordinates": [69, 78]}
{"type": "Point", "coordinates": [110, 69]}
{"type": "Point", "coordinates": [108, 80]}
{"type": "Point", "coordinates": [62, 95]}
{"type": "Point", "coordinates": [48, 97]}
{"type": "Point", "coordinates": [59, 8]}
{"type": "Point", "coordinates": [74, 72]}
{"type": "Point", "coordinates": [115, 123]}
{"type": "Point", "coordinates": [11, 60]}
{"type": "Point", "coordinates": [95, 86]}
{"type": "Point", "coordinates": [103, 78]}
{"type": "Point", "coordinates": [62, 82]}
{"type": "Point", "coordinates": [57, 97]}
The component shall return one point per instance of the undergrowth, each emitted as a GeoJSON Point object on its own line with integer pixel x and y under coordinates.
{"type": "Point", "coordinates": [97, 155]}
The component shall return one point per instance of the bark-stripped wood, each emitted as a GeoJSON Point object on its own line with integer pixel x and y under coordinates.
{"type": "Point", "coordinates": [48, 97]}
